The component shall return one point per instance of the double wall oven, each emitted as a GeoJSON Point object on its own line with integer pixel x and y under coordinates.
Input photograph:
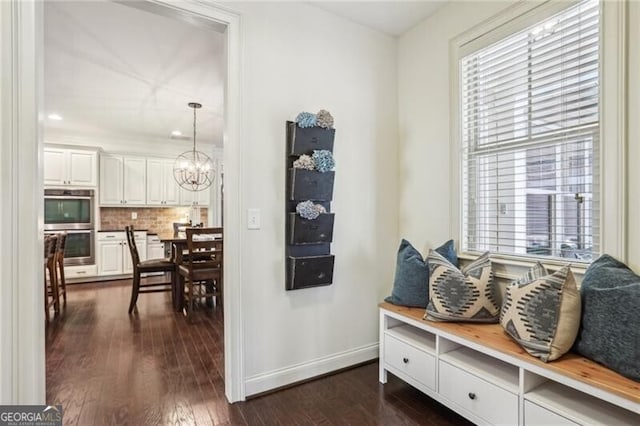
{"type": "Point", "coordinates": [72, 211]}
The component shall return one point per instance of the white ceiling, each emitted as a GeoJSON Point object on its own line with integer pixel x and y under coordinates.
{"type": "Point", "coordinates": [115, 71]}
{"type": "Point", "coordinates": [391, 17]}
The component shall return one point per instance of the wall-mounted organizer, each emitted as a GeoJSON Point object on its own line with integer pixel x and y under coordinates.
{"type": "Point", "coordinates": [309, 262]}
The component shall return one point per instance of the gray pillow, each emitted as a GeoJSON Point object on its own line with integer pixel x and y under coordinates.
{"type": "Point", "coordinates": [411, 282]}
{"type": "Point", "coordinates": [610, 329]}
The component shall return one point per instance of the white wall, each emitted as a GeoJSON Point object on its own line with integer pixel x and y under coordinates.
{"type": "Point", "coordinates": [297, 57]}
{"type": "Point", "coordinates": [633, 152]}
{"type": "Point", "coordinates": [423, 119]}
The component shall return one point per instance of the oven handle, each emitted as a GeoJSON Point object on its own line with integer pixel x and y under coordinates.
{"type": "Point", "coordinates": [66, 197]}
{"type": "Point", "coordinates": [70, 231]}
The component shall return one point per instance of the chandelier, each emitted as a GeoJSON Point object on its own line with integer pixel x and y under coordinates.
{"type": "Point", "coordinates": [193, 170]}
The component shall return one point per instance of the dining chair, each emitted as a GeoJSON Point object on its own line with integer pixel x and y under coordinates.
{"type": "Point", "coordinates": [150, 265]}
{"type": "Point", "coordinates": [200, 276]}
{"type": "Point", "coordinates": [179, 227]}
{"type": "Point", "coordinates": [50, 279]}
{"type": "Point", "coordinates": [61, 282]}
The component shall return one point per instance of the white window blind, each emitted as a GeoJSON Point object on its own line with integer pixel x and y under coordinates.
{"type": "Point", "coordinates": [529, 131]}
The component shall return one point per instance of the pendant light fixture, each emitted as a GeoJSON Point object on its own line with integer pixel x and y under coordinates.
{"type": "Point", "coordinates": [193, 170]}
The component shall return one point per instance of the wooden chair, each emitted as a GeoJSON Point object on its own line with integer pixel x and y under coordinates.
{"type": "Point", "coordinates": [201, 274]}
{"type": "Point", "coordinates": [50, 284]}
{"type": "Point", "coordinates": [179, 227]}
{"type": "Point", "coordinates": [151, 265]}
{"type": "Point", "coordinates": [62, 283]}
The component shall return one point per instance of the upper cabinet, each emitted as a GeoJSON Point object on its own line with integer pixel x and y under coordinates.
{"type": "Point", "coordinates": [190, 198]}
{"type": "Point", "coordinates": [70, 167]}
{"type": "Point", "coordinates": [162, 189]}
{"type": "Point", "coordinates": [122, 180]}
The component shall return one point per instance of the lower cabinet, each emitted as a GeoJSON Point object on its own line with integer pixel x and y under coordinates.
{"type": "Point", "coordinates": [113, 255]}
{"type": "Point", "coordinates": [477, 371]}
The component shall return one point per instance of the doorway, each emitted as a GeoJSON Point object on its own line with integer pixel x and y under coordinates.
{"type": "Point", "coordinates": [23, 381]}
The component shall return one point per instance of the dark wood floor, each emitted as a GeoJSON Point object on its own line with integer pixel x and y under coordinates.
{"type": "Point", "coordinates": [106, 367]}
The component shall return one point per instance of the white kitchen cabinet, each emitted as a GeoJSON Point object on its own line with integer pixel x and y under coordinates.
{"type": "Point", "coordinates": [162, 189]}
{"type": "Point", "coordinates": [114, 257]}
{"type": "Point", "coordinates": [70, 167]}
{"type": "Point", "coordinates": [122, 180]}
{"type": "Point", "coordinates": [190, 198]}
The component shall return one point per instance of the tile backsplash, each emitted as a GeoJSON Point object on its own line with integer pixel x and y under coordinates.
{"type": "Point", "coordinates": [157, 220]}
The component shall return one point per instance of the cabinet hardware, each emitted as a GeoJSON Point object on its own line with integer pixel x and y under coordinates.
{"type": "Point", "coordinates": [472, 395]}
{"type": "Point", "coordinates": [405, 360]}
{"type": "Point", "coordinates": [81, 272]}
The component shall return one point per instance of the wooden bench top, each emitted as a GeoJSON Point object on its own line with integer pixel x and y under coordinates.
{"type": "Point", "coordinates": [494, 337]}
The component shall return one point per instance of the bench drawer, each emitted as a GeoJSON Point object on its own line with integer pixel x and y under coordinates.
{"type": "Point", "coordinates": [534, 415]}
{"type": "Point", "coordinates": [490, 402]}
{"type": "Point", "coordinates": [411, 361]}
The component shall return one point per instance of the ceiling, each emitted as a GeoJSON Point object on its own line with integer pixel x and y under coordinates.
{"type": "Point", "coordinates": [116, 71]}
{"type": "Point", "coordinates": [391, 17]}
{"type": "Point", "coordinates": [113, 71]}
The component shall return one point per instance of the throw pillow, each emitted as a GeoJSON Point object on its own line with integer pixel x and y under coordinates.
{"type": "Point", "coordinates": [411, 282]}
{"type": "Point", "coordinates": [461, 295]}
{"type": "Point", "coordinates": [610, 330]}
{"type": "Point", "coordinates": [542, 313]}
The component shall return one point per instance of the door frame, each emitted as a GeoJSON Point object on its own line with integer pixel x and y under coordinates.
{"type": "Point", "coordinates": [22, 335]}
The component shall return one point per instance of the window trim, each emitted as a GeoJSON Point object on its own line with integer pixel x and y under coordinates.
{"type": "Point", "coordinates": [613, 120]}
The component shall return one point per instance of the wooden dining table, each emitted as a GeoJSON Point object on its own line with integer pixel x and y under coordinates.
{"type": "Point", "coordinates": [178, 245]}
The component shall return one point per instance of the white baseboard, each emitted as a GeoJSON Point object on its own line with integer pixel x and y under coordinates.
{"type": "Point", "coordinates": [295, 373]}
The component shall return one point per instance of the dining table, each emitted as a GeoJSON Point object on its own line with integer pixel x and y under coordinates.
{"type": "Point", "coordinates": [178, 244]}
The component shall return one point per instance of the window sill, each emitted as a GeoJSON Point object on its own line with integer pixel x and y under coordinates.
{"type": "Point", "coordinates": [513, 267]}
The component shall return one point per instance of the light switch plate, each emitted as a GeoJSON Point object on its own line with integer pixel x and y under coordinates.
{"type": "Point", "coordinates": [253, 218]}
{"type": "Point", "coordinates": [134, 215]}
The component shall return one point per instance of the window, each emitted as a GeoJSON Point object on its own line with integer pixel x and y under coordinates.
{"type": "Point", "coordinates": [529, 118]}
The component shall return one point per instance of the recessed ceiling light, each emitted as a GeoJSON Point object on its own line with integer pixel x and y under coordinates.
{"type": "Point", "coordinates": [176, 133]}
{"type": "Point", "coordinates": [56, 117]}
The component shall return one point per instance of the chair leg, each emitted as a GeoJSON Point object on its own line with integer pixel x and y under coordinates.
{"type": "Point", "coordinates": [134, 290]}
{"type": "Point", "coordinates": [46, 297]}
{"type": "Point", "coordinates": [62, 284]}
{"type": "Point", "coordinates": [53, 280]}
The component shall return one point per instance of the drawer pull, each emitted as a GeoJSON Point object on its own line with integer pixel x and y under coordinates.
{"type": "Point", "coordinates": [472, 395]}
{"type": "Point", "coordinates": [405, 360]}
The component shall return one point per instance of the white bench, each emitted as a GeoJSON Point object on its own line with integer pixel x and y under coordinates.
{"type": "Point", "coordinates": [481, 373]}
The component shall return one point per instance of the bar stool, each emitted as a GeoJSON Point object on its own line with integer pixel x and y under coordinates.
{"type": "Point", "coordinates": [50, 286]}
{"type": "Point", "coordinates": [61, 282]}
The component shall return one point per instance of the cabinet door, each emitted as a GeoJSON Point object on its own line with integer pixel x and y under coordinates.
{"type": "Point", "coordinates": [155, 251]}
{"type": "Point", "coordinates": [110, 257]}
{"type": "Point", "coordinates": [171, 187]}
{"type": "Point", "coordinates": [111, 176]}
{"type": "Point", "coordinates": [155, 181]}
{"type": "Point", "coordinates": [135, 182]}
{"type": "Point", "coordinates": [55, 169]}
{"type": "Point", "coordinates": [82, 167]}
{"type": "Point", "coordinates": [203, 198]}
{"type": "Point", "coordinates": [187, 198]}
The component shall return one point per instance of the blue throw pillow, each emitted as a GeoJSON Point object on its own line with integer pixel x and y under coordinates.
{"type": "Point", "coordinates": [610, 328]}
{"type": "Point", "coordinates": [411, 282]}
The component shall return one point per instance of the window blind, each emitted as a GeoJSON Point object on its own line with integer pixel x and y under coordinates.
{"type": "Point", "coordinates": [529, 131]}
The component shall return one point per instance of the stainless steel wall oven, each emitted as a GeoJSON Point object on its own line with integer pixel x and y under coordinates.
{"type": "Point", "coordinates": [72, 211]}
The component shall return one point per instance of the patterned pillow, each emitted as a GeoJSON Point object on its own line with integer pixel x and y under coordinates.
{"type": "Point", "coordinates": [543, 314]}
{"type": "Point", "coordinates": [467, 295]}
{"type": "Point", "coordinates": [411, 282]}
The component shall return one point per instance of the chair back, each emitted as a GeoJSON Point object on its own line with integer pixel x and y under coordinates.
{"type": "Point", "coordinates": [131, 242]}
{"type": "Point", "coordinates": [50, 244]}
{"type": "Point", "coordinates": [61, 244]}
{"type": "Point", "coordinates": [205, 246]}
{"type": "Point", "coordinates": [180, 227]}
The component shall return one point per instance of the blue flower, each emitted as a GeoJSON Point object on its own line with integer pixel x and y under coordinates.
{"type": "Point", "coordinates": [307, 210]}
{"type": "Point", "coordinates": [306, 119]}
{"type": "Point", "coordinates": [324, 160]}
